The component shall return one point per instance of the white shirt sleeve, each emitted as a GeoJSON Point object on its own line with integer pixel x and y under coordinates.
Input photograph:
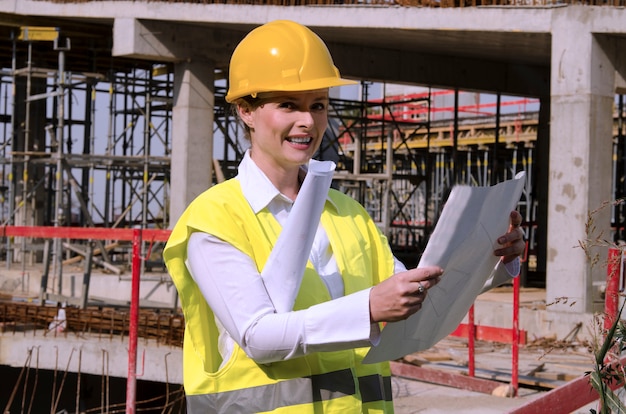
{"type": "Point", "coordinates": [233, 288]}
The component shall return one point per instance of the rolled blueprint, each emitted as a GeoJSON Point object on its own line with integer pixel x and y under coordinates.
{"type": "Point", "coordinates": [284, 269]}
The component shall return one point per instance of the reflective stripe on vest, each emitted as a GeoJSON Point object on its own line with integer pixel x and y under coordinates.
{"type": "Point", "coordinates": [375, 388]}
{"type": "Point", "coordinates": [296, 391]}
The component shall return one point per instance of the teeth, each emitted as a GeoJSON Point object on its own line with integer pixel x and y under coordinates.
{"type": "Point", "coordinates": [300, 140]}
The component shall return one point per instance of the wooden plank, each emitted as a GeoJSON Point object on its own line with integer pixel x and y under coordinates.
{"type": "Point", "coordinates": [444, 378]}
{"type": "Point", "coordinates": [97, 251]}
{"type": "Point", "coordinates": [97, 261]}
{"type": "Point", "coordinates": [502, 377]}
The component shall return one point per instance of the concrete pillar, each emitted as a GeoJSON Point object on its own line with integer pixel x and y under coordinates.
{"type": "Point", "coordinates": [193, 54]}
{"type": "Point", "coordinates": [192, 134]}
{"type": "Point", "coordinates": [582, 95]}
{"type": "Point", "coordinates": [540, 186]}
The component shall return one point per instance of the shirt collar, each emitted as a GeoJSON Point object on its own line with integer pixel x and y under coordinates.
{"type": "Point", "coordinates": [256, 187]}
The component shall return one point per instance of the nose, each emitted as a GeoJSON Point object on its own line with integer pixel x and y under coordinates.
{"type": "Point", "coordinates": [305, 119]}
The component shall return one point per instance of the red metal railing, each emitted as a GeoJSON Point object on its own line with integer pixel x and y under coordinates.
{"type": "Point", "coordinates": [137, 236]}
{"type": "Point", "coordinates": [613, 286]}
{"type": "Point", "coordinates": [83, 233]}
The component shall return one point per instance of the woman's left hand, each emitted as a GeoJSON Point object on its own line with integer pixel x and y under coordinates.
{"type": "Point", "coordinates": [512, 242]}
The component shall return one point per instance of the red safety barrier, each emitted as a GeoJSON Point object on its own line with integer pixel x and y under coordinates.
{"type": "Point", "coordinates": [137, 236]}
{"type": "Point", "coordinates": [131, 378]}
{"type": "Point", "coordinates": [613, 282]}
{"type": "Point", "coordinates": [83, 233]}
{"type": "Point", "coordinates": [514, 335]}
{"type": "Point", "coordinates": [471, 343]}
{"type": "Point", "coordinates": [490, 333]}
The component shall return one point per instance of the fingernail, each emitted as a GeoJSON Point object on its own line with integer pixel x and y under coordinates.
{"type": "Point", "coordinates": [502, 240]}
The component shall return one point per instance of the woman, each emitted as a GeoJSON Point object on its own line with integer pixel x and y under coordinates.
{"type": "Point", "coordinates": [240, 354]}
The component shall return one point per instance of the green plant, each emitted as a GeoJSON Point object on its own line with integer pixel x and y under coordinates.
{"type": "Point", "coordinates": [608, 372]}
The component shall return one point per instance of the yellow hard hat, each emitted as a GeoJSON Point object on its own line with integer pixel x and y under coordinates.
{"type": "Point", "coordinates": [281, 56]}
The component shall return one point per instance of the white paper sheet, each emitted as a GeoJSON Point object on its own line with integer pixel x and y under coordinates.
{"type": "Point", "coordinates": [284, 269]}
{"type": "Point", "coordinates": [462, 244]}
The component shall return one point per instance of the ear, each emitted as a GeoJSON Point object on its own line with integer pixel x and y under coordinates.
{"type": "Point", "coordinates": [245, 113]}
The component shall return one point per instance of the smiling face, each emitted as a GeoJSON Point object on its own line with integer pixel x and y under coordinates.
{"type": "Point", "coordinates": [286, 128]}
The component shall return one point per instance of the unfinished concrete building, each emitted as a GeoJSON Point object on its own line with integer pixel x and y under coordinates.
{"type": "Point", "coordinates": [113, 119]}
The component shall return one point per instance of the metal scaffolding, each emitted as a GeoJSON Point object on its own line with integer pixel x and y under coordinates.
{"type": "Point", "coordinates": [93, 149]}
{"type": "Point", "coordinates": [401, 155]}
{"type": "Point", "coordinates": [81, 149]}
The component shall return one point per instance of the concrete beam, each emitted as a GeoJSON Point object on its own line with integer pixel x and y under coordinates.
{"type": "Point", "coordinates": [90, 354]}
{"type": "Point", "coordinates": [614, 46]}
{"type": "Point", "coordinates": [172, 42]}
{"type": "Point", "coordinates": [397, 66]}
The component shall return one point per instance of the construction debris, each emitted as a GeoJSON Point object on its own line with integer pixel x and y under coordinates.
{"type": "Point", "coordinates": [545, 364]}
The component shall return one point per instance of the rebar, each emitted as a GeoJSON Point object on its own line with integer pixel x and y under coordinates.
{"type": "Point", "coordinates": [19, 380]}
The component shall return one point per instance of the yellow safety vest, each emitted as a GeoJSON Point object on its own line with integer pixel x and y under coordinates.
{"type": "Point", "coordinates": [322, 382]}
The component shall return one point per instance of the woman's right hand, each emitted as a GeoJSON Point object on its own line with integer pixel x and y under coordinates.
{"type": "Point", "coordinates": [402, 295]}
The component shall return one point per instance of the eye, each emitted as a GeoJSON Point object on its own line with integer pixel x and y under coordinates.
{"type": "Point", "coordinates": [287, 105]}
{"type": "Point", "coordinates": [318, 106]}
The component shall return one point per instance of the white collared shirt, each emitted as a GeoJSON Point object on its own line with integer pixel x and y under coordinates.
{"type": "Point", "coordinates": [244, 313]}
{"type": "Point", "coordinates": [233, 288]}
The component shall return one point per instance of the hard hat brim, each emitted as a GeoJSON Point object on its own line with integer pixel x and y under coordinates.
{"type": "Point", "coordinates": [298, 87]}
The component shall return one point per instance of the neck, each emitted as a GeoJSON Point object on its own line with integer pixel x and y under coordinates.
{"type": "Point", "coordinates": [287, 184]}
{"type": "Point", "coordinates": [286, 180]}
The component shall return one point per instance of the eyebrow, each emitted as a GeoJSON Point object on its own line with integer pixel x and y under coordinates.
{"type": "Point", "coordinates": [295, 98]}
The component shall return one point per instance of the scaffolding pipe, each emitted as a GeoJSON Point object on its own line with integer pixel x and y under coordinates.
{"type": "Point", "coordinates": [494, 157]}
{"type": "Point", "coordinates": [57, 264]}
{"type": "Point", "coordinates": [146, 149]}
{"type": "Point", "coordinates": [88, 179]}
{"type": "Point", "coordinates": [22, 203]}
{"type": "Point", "coordinates": [386, 213]}
{"type": "Point", "coordinates": [11, 192]}
{"type": "Point", "coordinates": [428, 170]}
{"type": "Point", "coordinates": [109, 151]}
